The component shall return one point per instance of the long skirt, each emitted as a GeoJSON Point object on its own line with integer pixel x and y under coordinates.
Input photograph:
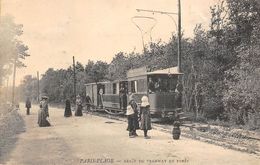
{"type": "Point", "coordinates": [42, 119]}
{"type": "Point", "coordinates": [145, 123]}
{"type": "Point", "coordinates": [28, 111]}
{"type": "Point", "coordinates": [78, 111]}
{"type": "Point", "coordinates": [67, 112]}
{"type": "Point", "coordinates": [133, 123]}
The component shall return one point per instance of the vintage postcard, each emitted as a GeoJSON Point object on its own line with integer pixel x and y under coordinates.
{"type": "Point", "coordinates": [129, 82]}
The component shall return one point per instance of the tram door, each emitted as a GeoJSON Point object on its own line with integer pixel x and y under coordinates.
{"type": "Point", "coordinates": [100, 92]}
{"type": "Point", "coordinates": [89, 91]}
{"type": "Point", "coordinates": [123, 91]}
{"type": "Point", "coordinates": [94, 95]}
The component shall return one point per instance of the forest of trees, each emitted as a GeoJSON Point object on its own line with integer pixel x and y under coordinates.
{"type": "Point", "coordinates": [221, 67]}
{"type": "Point", "coordinates": [11, 49]}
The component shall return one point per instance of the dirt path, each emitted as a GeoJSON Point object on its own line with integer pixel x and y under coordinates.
{"type": "Point", "coordinates": [93, 140]}
{"type": "Point", "coordinates": [39, 146]}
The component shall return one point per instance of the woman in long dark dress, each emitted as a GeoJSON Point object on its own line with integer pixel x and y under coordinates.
{"type": "Point", "coordinates": [43, 113]}
{"type": "Point", "coordinates": [67, 112]}
{"type": "Point", "coordinates": [145, 116]}
{"type": "Point", "coordinates": [79, 106]}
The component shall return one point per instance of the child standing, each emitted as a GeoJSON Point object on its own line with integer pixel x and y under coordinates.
{"type": "Point", "coordinates": [132, 117]}
{"type": "Point", "coordinates": [145, 116]}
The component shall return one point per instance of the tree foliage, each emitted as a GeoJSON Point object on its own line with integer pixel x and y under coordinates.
{"type": "Point", "coordinates": [242, 80]}
{"type": "Point", "coordinates": [11, 48]}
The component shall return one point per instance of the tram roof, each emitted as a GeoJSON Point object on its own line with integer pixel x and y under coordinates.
{"type": "Point", "coordinates": [106, 82]}
{"type": "Point", "coordinates": [143, 72]}
{"type": "Point", "coordinates": [172, 70]}
{"type": "Point", "coordinates": [102, 82]}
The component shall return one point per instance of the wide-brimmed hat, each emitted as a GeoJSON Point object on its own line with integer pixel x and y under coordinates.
{"type": "Point", "coordinates": [145, 101]}
{"type": "Point", "coordinates": [45, 97]}
{"type": "Point", "coordinates": [78, 96]}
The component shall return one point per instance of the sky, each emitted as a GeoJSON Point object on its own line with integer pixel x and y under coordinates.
{"type": "Point", "coordinates": [56, 30]}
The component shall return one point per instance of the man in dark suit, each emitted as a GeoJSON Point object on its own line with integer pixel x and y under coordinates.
{"type": "Point", "coordinates": [28, 106]}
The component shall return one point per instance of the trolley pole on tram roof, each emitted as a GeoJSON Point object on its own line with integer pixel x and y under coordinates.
{"type": "Point", "coordinates": [179, 27]}
{"type": "Point", "coordinates": [74, 79]}
{"type": "Point", "coordinates": [0, 10]}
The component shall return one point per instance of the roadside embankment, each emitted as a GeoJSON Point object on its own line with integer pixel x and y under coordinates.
{"type": "Point", "coordinates": [11, 123]}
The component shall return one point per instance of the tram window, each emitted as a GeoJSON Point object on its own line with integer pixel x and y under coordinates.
{"type": "Point", "coordinates": [117, 88]}
{"type": "Point", "coordinates": [172, 84]}
{"type": "Point", "coordinates": [164, 84]}
{"type": "Point", "coordinates": [141, 85]}
{"type": "Point", "coordinates": [114, 88]}
{"type": "Point", "coordinates": [109, 89]}
{"type": "Point", "coordinates": [126, 87]}
{"type": "Point", "coordinates": [133, 86]}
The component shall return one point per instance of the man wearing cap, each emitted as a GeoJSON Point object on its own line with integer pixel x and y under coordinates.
{"type": "Point", "coordinates": [28, 106]}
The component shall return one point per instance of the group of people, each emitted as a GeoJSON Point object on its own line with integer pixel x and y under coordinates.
{"type": "Point", "coordinates": [136, 115]}
{"type": "Point", "coordinates": [43, 112]}
{"type": "Point", "coordinates": [79, 106]}
{"type": "Point", "coordinates": [158, 86]}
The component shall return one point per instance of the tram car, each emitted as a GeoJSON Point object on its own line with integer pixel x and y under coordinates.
{"type": "Point", "coordinates": [109, 96]}
{"type": "Point", "coordinates": [161, 87]}
{"type": "Point", "coordinates": [95, 91]}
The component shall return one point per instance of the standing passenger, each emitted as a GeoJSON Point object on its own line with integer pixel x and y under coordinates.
{"type": "Point", "coordinates": [122, 97]}
{"type": "Point", "coordinates": [178, 96]}
{"type": "Point", "coordinates": [79, 107]}
{"type": "Point", "coordinates": [159, 85]}
{"type": "Point", "coordinates": [67, 112]}
{"type": "Point", "coordinates": [28, 106]}
{"type": "Point", "coordinates": [151, 87]}
{"type": "Point", "coordinates": [101, 92]}
{"type": "Point", "coordinates": [145, 116]}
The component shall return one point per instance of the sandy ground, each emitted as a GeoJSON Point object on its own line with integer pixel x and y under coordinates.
{"type": "Point", "coordinates": [96, 140]}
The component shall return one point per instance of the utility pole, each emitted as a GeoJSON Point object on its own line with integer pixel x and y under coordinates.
{"type": "Point", "coordinates": [74, 77]}
{"type": "Point", "coordinates": [14, 74]}
{"type": "Point", "coordinates": [179, 27]}
{"type": "Point", "coordinates": [179, 35]}
{"type": "Point", "coordinates": [0, 9]}
{"type": "Point", "coordinates": [38, 87]}
{"type": "Point", "coordinates": [7, 86]}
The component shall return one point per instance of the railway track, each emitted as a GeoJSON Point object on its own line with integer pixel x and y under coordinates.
{"type": "Point", "coordinates": [200, 132]}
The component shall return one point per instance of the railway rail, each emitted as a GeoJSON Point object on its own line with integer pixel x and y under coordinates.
{"type": "Point", "coordinates": [201, 132]}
